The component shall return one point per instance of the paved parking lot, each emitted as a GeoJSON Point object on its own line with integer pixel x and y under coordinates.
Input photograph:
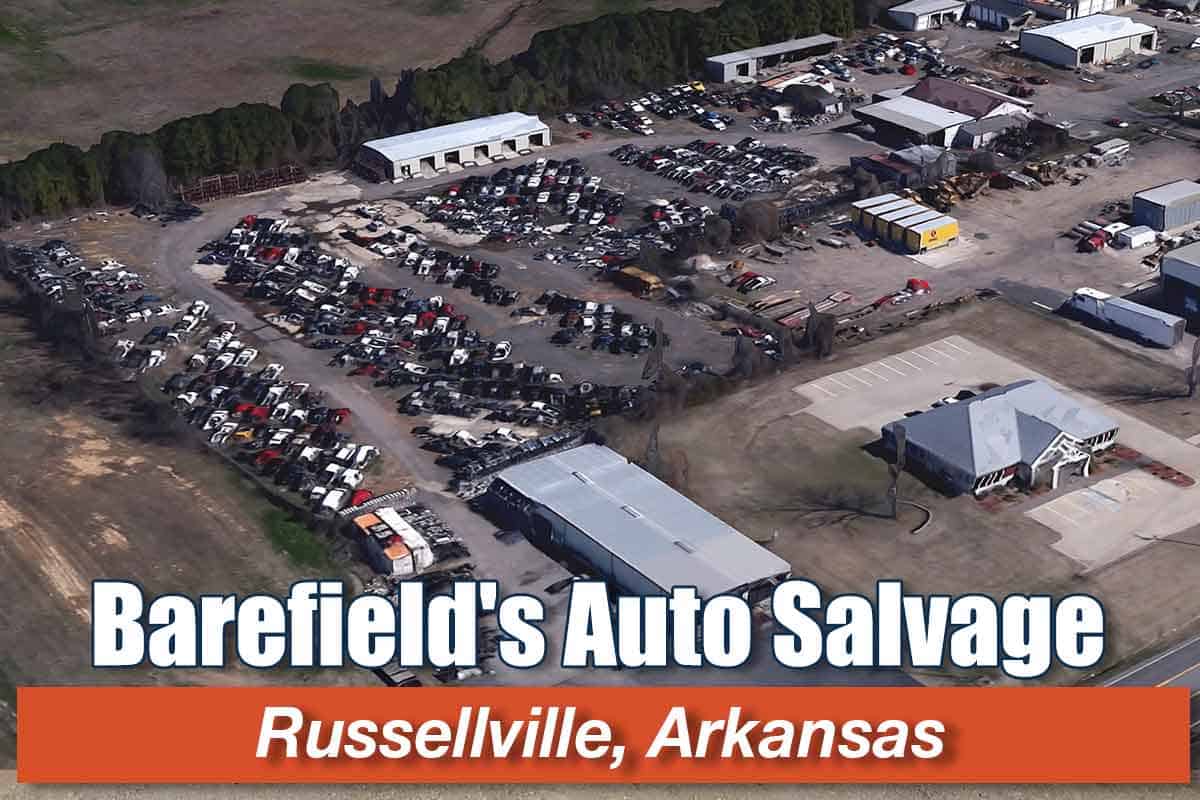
{"type": "Point", "coordinates": [1097, 524]}
{"type": "Point", "coordinates": [1113, 503]}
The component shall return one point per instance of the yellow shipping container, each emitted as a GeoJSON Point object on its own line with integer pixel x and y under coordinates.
{"type": "Point", "coordinates": [869, 215]}
{"type": "Point", "coordinates": [931, 235]}
{"type": "Point", "coordinates": [897, 227]}
{"type": "Point", "coordinates": [884, 221]}
{"type": "Point", "coordinates": [858, 206]}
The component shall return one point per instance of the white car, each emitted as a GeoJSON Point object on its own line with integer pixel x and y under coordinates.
{"type": "Point", "coordinates": [245, 357]}
{"type": "Point", "coordinates": [543, 197]}
{"type": "Point", "coordinates": [223, 433]}
{"type": "Point", "coordinates": [221, 362]}
{"type": "Point", "coordinates": [501, 351]}
{"type": "Point", "coordinates": [122, 348]}
{"type": "Point", "coordinates": [335, 500]}
{"type": "Point", "coordinates": [198, 361]}
{"type": "Point", "coordinates": [364, 455]}
{"type": "Point", "coordinates": [415, 369]}
{"type": "Point", "coordinates": [186, 400]}
{"type": "Point", "coordinates": [270, 372]}
{"type": "Point", "coordinates": [280, 437]}
{"type": "Point", "coordinates": [215, 420]}
{"type": "Point", "coordinates": [351, 479]}
{"type": "Point", "coordinates": [153, 360]}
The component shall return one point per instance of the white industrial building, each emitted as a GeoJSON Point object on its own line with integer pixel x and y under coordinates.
{"type": "Point", "coordinates": [1073, 9]}
{"type": "Point", "coordinates": [746, 63]}
{"type": "Point", "coordinates": [628, 527]}
{"type": "Point", "coordinates": [909, 119]}
{"type": "Point", "coordinates": [428, 152]}
{"type": "Point", "coordinates": [1095, 39]}
{"type": "Point", "coordinates": [1000, 15]}
{"type": "Point", "coordinates": [921, 15]}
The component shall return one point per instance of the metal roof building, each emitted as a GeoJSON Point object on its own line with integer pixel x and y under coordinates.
{"type": "Point", "coordinates": [1181, 281]}
{"type": "Point", "coordinates": [921, 15]}
{"type": "Point", "coordinates": [1021, 430]}
{"type": "Point", "coordinates": [632, 528]}
{"type": "Point", "coordinates": [1094, 39]}
{"type": "Point", "coordinates": [1171, 205]}
{"type": "Point", "coordinates": [909, 119]}
{"type": "Point", "coordinates": [475, 141]}
{"type": "Point", "coordinates": [746, 63]}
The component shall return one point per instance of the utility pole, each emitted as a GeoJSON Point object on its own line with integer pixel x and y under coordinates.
{"type": "Point", "coordinates": [1194, 369]}
{"type": "Point", "coordinates": [895, 469]}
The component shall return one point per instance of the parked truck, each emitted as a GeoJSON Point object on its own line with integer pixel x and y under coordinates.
{"type": "Point", "coordinates": [1148, 325]}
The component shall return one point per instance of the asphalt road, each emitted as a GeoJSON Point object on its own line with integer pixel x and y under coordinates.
{"type": "Point", "coordinates": [1176, 666]}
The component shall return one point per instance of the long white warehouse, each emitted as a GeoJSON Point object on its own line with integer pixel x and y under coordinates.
{"type": "Point", "coordinates": [1094, 39]}
{"type": "Point", "coordinates": [428, 152]}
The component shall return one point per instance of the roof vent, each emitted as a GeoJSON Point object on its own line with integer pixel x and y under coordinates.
{"type": "Point", "coordinates": [579, 476]}
{"type": "Point", "coordinates": [631, 511]}
{"type": "Point", "coordinates": [684, 546]}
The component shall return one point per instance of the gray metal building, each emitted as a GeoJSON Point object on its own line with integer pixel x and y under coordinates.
{"type": "Point", "coordinates": [1094, 39]}
{"type": "Point", "coordinates": [746, 63]}
{"type": "Point", "coordinates": [433, 150]}
{"type": "Point", "coordinates": [1000, 15]}
{"type": "Point", "coordinates": [1181, 281]}
{"type": "Point", "coordinates": [629, 527]}
{"type": "Point", "coordinates": [1171, 205]}
{"type": "Point", "coordinates": [1026, 431]}
{"type": "Point", "coordinates": [921, 15]}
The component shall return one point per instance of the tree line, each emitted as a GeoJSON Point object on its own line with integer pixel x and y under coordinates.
{"type": "Point", "coordinates": [565, 67]}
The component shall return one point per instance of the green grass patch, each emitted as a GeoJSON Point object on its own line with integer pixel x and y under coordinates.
{"type": "Point", "coordinates": [315, 69]}
{"type": "Point", "coordinates": [293, 538]}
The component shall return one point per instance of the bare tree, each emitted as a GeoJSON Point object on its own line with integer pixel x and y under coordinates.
{"type": "Point", "coordinates": [144, 179]}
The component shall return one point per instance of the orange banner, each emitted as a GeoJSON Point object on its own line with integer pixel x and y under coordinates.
{"type": "Point", "coordinates": [602, 735]}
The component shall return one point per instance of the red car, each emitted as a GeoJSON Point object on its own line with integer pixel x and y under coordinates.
{"type": "Point", "coordinates": [340, 415]}
{"type": "Point", "coordinates": [584, 134]}
{"type": "Point", "coordinates": [360, 496]}
{"type": "Point", "coordinates": [908, 69]}
{"type": "Point", "coordinates": [370, 370]}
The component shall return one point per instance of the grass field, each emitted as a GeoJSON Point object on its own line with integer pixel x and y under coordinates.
{"type": "Point", "coordinates": [77, 68]}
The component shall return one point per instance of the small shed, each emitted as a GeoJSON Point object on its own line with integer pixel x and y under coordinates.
{"type": "Point", "coordinates": [921, 15]}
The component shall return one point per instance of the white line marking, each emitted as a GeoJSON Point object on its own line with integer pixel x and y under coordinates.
{"type": "Point", "coordinates": [860, 380]}
{"type": "Point", "coordinates": [845, 386]}
{"type": "Point", "coordinates": [889, 366]}
{"type": "Point", "coordinates": [1042, 306]}
{"type": "Point", "coordinates": [918, 355]}
{"type": "Point", "coordinates": [940, 353]}
{"type": "Point", "coordinates": [823, 389]}
{"type": "Point", "coordinates": [956, 347]}
{"type": "Point", "coordinates": [918, 369]}
{"type": "Point", "coordinates": [1068, 500]}
{"type": "Point", "coordinates": [876, 374]}
{"type": "Point", "coordinates": [1058, 513]}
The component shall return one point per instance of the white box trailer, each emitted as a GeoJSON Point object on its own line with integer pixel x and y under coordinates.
{"type": "Point", "coordinates": [1144, 323]}
{"type": "Point", "coordinates": [1138, 236]}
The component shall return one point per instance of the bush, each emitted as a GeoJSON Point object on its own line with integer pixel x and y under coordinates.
{"type": "Point", "coordinates": [295, 539]}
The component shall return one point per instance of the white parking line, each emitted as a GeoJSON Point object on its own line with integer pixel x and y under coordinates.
{"type": "Point", "coordinates": [940, 353]}
{"type": "Point", "coordinates": [876, 374]}
{"type": "Point", "coordinates": [823, 389]}
{"type": "Point", "coordinates": [845, 386]}
{"type": "Point", "coordinates": [889, 366]}
{"type": "Point", "coordinates": [912, 366]}
{"type": "Point", "coordinates": [860, 380]}
{"type": "Point", "coordinates": [1050, 507]}
{"type": "Point", "coordinates": [956, 347]}
{"type": "Point", "coordinates": [1070, 501]}
{"type": "Point", "coordinates": [918, 355]}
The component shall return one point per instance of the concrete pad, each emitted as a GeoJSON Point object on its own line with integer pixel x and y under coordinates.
{"type": "Point", "coordinates": [949, 255]}
{"type": "Point", "coordinates": [1099, 524]}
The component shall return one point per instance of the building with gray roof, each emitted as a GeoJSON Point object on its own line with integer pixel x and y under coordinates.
{"type": "Point", "coordinates": [907, 119]}
{"type": "Point", "coordinates": [629, 527]}
{"type": "Point", "coordinates": [745, 64]}
{"type": "Point", "coordinates": [1171, 205]}
{"type": "Point", "coordinates": [1025, 431]}
{"type": "Point", "coordinates": [433, 150]}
